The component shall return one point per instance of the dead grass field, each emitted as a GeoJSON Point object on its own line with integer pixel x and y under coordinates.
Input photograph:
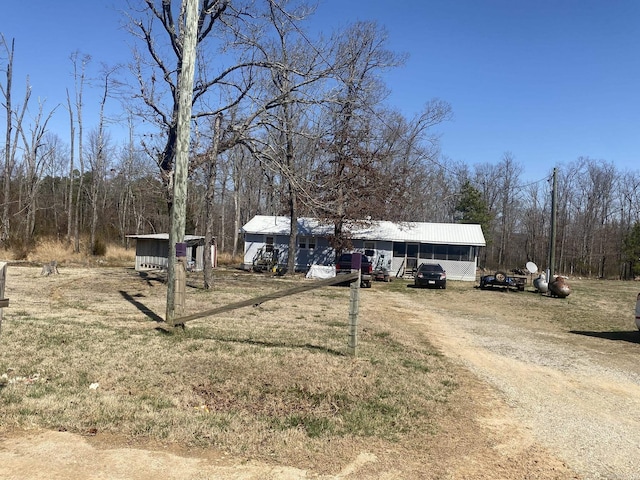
{"type": "Point", "coordinates": [83, 353]}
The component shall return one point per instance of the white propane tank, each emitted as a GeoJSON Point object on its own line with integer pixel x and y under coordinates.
{"type": "Point", "coordinates": [541, 284]}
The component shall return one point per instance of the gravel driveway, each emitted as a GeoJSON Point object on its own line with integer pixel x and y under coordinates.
{"type": "Point", "coordinates": [577, 393]}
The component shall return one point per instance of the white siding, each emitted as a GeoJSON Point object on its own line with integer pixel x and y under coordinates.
{"type": "Point", "coordinates": [382, 233]}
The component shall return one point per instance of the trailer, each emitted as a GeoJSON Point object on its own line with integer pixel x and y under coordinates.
{"type": "Point", "coordinates": [502, 280]}
{"type": "Point", "coordinates": [382, 266]}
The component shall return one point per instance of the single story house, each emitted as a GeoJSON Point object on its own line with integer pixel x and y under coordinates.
{"type": "Point", "coordinates": [399, 247]}
{"type": "Point", "coordinates": [152, 251]}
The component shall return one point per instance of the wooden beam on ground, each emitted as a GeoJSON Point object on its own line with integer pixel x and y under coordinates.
{"type": "Point", "coordinates": [270, 296]}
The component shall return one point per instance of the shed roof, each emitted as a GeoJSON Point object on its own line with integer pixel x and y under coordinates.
{"type": "Point", "coordinates": [436, 233]}
{"type": "Point", "coordinates": [189, 239]}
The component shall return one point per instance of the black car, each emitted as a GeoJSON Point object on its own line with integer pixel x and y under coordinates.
{"type": "Point", "coordinates": [430, 275]}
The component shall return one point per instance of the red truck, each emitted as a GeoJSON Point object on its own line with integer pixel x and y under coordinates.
{"type": "Point", "coordinates": [344, 263]}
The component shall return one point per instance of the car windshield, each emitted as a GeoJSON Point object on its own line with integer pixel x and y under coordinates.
{"type": "Point", "coordinates": [430, 268]}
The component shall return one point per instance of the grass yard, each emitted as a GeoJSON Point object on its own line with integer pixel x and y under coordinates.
{"type": "Point", "coordinates": [82, 352]}
{"type": "Point", "coordinates": [79, 354]}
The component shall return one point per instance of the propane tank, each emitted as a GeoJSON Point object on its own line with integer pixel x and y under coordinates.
{"type": "Point", "coordinates": [541, 284]}
{"type": "Point", "coordinates": [559, 287]}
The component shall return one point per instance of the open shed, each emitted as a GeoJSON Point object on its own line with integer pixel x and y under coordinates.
{"type": "Point", "coordinates": [152, 251]}
{"type": "Point", "coordinates": [398, 247]}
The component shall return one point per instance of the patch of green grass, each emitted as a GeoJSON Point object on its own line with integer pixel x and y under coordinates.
{"type": "Point", "coordinates": [9, 397]}
{"type": "Point", "coordinates": [337, 324]}
{"type": "Point", "coordinates": [416, 365]}
{"type": "Point", "coordinates": [314, 427]}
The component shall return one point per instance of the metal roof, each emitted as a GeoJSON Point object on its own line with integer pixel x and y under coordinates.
{"type": "Point", "coordinates": [436, 233]}
{"type": "Point", "coordinates": [190, 239]}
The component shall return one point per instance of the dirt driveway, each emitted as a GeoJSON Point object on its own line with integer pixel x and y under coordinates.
{"type": "Point", "coordinates": [576, 393]}
{"type": "Point", "coordinates": [543, 403]}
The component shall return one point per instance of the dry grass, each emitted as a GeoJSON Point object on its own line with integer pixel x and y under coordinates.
{"type": "Point", "coordinates": [228, 260]}
{"type": "Point", "coordinates": [272, 382]}
{"type": "Point", "coordinates": [82, 352]}
{"type": "Point", "coordinates": [63, 252]}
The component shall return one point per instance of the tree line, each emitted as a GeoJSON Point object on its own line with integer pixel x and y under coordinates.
{"type": "Point", "coordinates": [285, 122]}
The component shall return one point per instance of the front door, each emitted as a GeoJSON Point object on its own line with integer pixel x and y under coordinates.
{"type": "Point", "coordinates": [413, 250]}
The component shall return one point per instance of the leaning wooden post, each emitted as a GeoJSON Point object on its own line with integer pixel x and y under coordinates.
{"type": "Point", "coordinates": [354, 305]}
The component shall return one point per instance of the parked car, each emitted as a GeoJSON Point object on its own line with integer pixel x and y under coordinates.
{"type": "Point", "coordinates": [430, 275]}
{"type": "Point", "coordinates": [343, 265]}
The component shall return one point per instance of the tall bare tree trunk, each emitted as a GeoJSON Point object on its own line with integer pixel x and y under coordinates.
{"type": "Point", "coordinates": [8, 151]}
{"type": "Point", "coordinates": [98, 167]}
{"type": "Point", "coordinates": [236, 172]}
{"type": "Point", "coordinates": [72, 143]}
{"type": "Point", "coordinates": [79, 78]}
{"type": "Point", "coordinates": [211, 169]}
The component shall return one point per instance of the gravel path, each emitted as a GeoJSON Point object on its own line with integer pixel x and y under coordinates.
{"type": "Point", "coordinates": [578, 395]}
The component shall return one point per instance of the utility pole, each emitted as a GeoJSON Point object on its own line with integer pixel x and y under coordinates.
{"type": "Point", "coordinates": [179, 204]}
{"type": "Point", "coordinates": [552, 236]}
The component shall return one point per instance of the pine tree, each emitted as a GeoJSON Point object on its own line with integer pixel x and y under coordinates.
{"type": "Point", "coordinates": [471, 208]}
{"type": "Point", "coordinates": [631, 249]}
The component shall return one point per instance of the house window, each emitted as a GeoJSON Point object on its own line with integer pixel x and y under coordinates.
{"type": "Point", "coordinates": [426, 251]}
{"type": "Point", "coordinates": [399, 249]}
{"type": "Point", "coordinates": [268, 244]}
{"type": "Point", "coordinates": [306, 243]}
{"type": "Point", "coordinates": [440, 252]}
{"type": "Point", "coordinates": [460, 253]}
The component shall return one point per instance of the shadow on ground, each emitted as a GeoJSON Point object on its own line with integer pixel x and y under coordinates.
{"type": "Point", "coordinates": [142, 307]}
{"type": "Point", "coordinates": [632, 336]}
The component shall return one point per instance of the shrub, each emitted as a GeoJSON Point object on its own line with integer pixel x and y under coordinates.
{"type": "Point", "coordinates": [99, 248]}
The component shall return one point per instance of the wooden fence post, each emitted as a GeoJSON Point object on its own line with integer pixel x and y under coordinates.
{"type": "Point", "coordinates": [354, 310]}
{"type": "Point", "coordinates": [3, 278]}
{"type": "Point", "coordinates": [180, 299]}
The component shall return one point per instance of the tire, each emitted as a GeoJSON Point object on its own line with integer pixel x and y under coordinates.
{"type": "Point", "coordinates": [501, 277]}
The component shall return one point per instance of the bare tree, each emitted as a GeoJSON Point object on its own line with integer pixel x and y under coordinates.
{"type": "Point", "coordinates": [79, 76]}
{"type": "Point", "coordinates": [211, 169]}
{"type": "Point", "coordinates": [72, 138]}
{"type": "Point", "coordinates": [247, 100]}
{"type": "Point", "coordinates": [508, 191]}
{"type": "Point", "coordinates": [37, 152]}
{"type": "Point", "coordinates": [160, 97]}
{"type": "Point", "coordinates": [11, 144]}
{"type": "Point", "coordinates": [346, 182]}
{"type": "Point", "coordinates": [99, 159]}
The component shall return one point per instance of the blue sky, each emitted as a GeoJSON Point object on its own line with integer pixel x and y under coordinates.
{"type": "Point", "coordinates": [548, 81]}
